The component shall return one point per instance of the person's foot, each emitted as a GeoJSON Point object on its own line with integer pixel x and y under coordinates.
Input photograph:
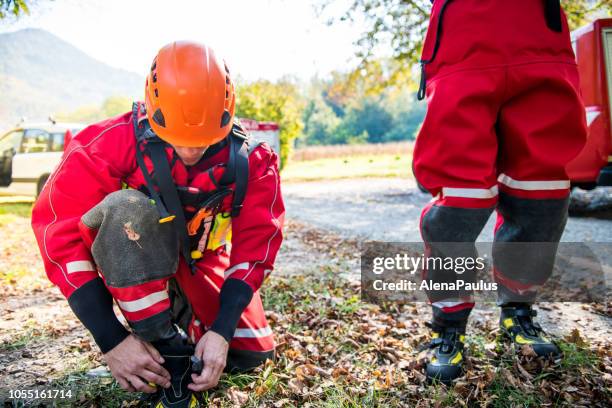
{"type": "Point", "coordinates": [178, 361]}
{"type": "Point", "coordinates": [446, 363]}
{"type": "Point", "coordinates": [516, 321]}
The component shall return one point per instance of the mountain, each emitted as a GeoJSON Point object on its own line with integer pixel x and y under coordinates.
{"type": "Point", "coordinates": [41, 74]}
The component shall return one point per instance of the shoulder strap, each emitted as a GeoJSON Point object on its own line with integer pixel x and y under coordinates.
{"type": "Point", "coordinates": [163, 176]}
{"type": "Point", "coordinates": [139, 133]}
{"type": "Point", "coordinates": [164, 179]}
{"type": "Point", "coordinates": [237, 170]}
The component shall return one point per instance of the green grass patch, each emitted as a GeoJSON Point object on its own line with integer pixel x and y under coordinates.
{"type": "Point", "coordinates": [349, 167]}
{"type": "Point", "coordinates": [575, 356]}
{"type": "Point", "coordinates": [7, 210]}
{"type": "Point", "coordinates": [31, 333]}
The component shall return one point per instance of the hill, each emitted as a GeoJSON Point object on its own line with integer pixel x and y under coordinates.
{"type": "Point", "coordinates": [41, 74]}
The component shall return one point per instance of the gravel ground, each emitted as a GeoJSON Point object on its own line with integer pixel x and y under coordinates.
{"type": "Point", "coordinates": [389, 210]}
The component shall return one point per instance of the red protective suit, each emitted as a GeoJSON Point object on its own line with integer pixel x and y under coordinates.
{"type": "Point", "coordinates": [102, 159]}
{"type": "Point", "coordinates": [504, 118]}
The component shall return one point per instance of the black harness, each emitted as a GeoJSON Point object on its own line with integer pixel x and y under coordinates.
{"type": "Point", "coordinates": [171, 200]}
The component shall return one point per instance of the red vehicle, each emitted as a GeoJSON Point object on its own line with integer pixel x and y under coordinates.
{"type": "Point", "coordinates": [593, 48]}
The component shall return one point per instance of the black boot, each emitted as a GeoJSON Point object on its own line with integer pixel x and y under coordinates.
{"type": "Point", "coordinates": [177, 356]}
{"type": "Point", "coordinates": [516, 321]}
{"type": "Point", "coordinates": [446, 364]}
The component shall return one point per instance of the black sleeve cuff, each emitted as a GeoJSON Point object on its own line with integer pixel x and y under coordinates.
{"type": "Point", "coordinates": [235, 296]}
{"type": "Point", "coordinates": [93, 305]}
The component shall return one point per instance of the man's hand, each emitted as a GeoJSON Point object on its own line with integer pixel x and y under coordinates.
{"type": "Point", "coordinates": [212, 350]}
{"type": "Point", "coordinates": [134, 363]}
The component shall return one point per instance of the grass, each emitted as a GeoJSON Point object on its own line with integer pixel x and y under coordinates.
{"type": "Point", "coordinates": [386, 165]}
{"type": "Point", "coordinates": [8, 211]}
{"type": "Point", "coordinates": [369, 149]}
{"type": "Point", "coordinates": [22, 340]}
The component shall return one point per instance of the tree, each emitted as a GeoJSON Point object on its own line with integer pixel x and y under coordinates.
{"type": "Point", "coordinates": [112, 106]}
{"type": "Point", "coordinates": [320, 122]}
{"type": "Point", "coordinates": [402, 24]}
{"type": "Point", "coordinates": [116, 105]}
{"type": "Point", "coordinates": [369, 118]}
{"type": "Point", "coordinates": [279, 102]}
{"type": "Point", "coordinates": [14, 7]}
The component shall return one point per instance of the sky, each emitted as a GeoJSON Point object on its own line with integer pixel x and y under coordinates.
{"type": "Point", "coordinates": [258, 38]}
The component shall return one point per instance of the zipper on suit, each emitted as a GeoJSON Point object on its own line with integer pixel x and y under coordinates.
{"type": "Point", "coordinates": [423, 81]}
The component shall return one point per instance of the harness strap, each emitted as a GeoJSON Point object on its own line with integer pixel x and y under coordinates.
{"type": "Point", "coordinates": [163, 176]}
{"type": "Point", "coordinates": [552, 11]}
{"type": "Point", "coordinates": [237, 170]}
{"type": "Point", "coordinates": [145, 172]}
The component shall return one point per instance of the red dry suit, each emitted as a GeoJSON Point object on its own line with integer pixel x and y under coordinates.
{"type": "Point", "coordinates": [101, 159]}
{"type": "Point", "coordinates": [504, 117]}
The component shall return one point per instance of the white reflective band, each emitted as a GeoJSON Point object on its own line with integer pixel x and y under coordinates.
{"type": "Point", "coordinates": [142, 303]}
{"type": "Point", "coordinates": [240, 266]}
{"type": "Point", "coordinates": [79, 266]}
{"type": "Point", "coordinates": [450, 303]}
{"type": "Point", "coordinates": [533, 185]}
{"type": "Point", "coordinates": [253, 333]}
{"type": "Point", "coordinates": [591, 116]}
{"type": "Point", "coordinates": [469, 192]}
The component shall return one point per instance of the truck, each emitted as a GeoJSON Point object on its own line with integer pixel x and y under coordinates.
{"type": "Point", "coordinates": [593, 49]}
{"type": "Point", "coordinates": [263, 132]}
{"type": "Point", "coordinates": [30, 152]}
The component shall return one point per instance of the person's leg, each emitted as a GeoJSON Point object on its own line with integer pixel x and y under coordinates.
{"type": "Point", "coordinates": [137, 256]}
{"type": "Point", "coordinates": [454, 159]}
{"type": "Point", "coordinates": [253, 341]}
{"type": "Point", "coordinates": [541, 128]}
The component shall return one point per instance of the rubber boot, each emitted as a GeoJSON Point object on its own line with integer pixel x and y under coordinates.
{"type": "Point", "coordinates": [516, 321]}
{"type": "Point", "coordinates": [446, 363]}
{"type": "Point", "coordinates": [179, 361]}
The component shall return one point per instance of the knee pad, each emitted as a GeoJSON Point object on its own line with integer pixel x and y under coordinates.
{"type": "Point", "coordinates": [453, 224]}
{"type": "Point", "coordinates": [131, 246]}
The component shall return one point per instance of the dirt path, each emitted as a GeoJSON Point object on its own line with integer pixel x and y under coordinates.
{"type": "Point", "coordinates": [389, 210]}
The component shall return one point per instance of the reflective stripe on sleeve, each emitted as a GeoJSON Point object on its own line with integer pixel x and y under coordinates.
{"type": "Point", "coordinates": [79, 266]}
{"type": "Point", "coordinates": [240, 266]}
{"type": "Point", "coordinates": [142, 303]}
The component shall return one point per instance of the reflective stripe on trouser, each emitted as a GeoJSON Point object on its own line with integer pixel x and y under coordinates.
{"type": "Point", "coordinates": [491, 136]}
{"type": "Point", "coordinates": [202, 289]}
{"type": "Point", "coordinates": [147, 306]}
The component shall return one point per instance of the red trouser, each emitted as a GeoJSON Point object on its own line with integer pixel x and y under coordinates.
{"type": "Point", "coordinates": [504, 118]}
{"type": "Point", "coordinates": [144, 301]}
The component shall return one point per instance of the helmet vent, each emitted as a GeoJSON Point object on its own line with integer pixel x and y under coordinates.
{"type": "Point", "coordinates": [226, 68]}
{"type": "Point", "coordinates": [156, 93]}
{"type": "Point", "coordinates": [154, 65]}
{"type": "Point", "coordinates": [154, 77]}
{"type": "Point", "coordinates": [225, 118]}
{"type": "Point", "coordinates": [158, 117]}
{"type": "Point", "coordinates": [227, 80]}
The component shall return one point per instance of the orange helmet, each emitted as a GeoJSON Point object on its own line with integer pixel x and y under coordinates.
{"type": "Point", "coordinates": [189, 95]}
